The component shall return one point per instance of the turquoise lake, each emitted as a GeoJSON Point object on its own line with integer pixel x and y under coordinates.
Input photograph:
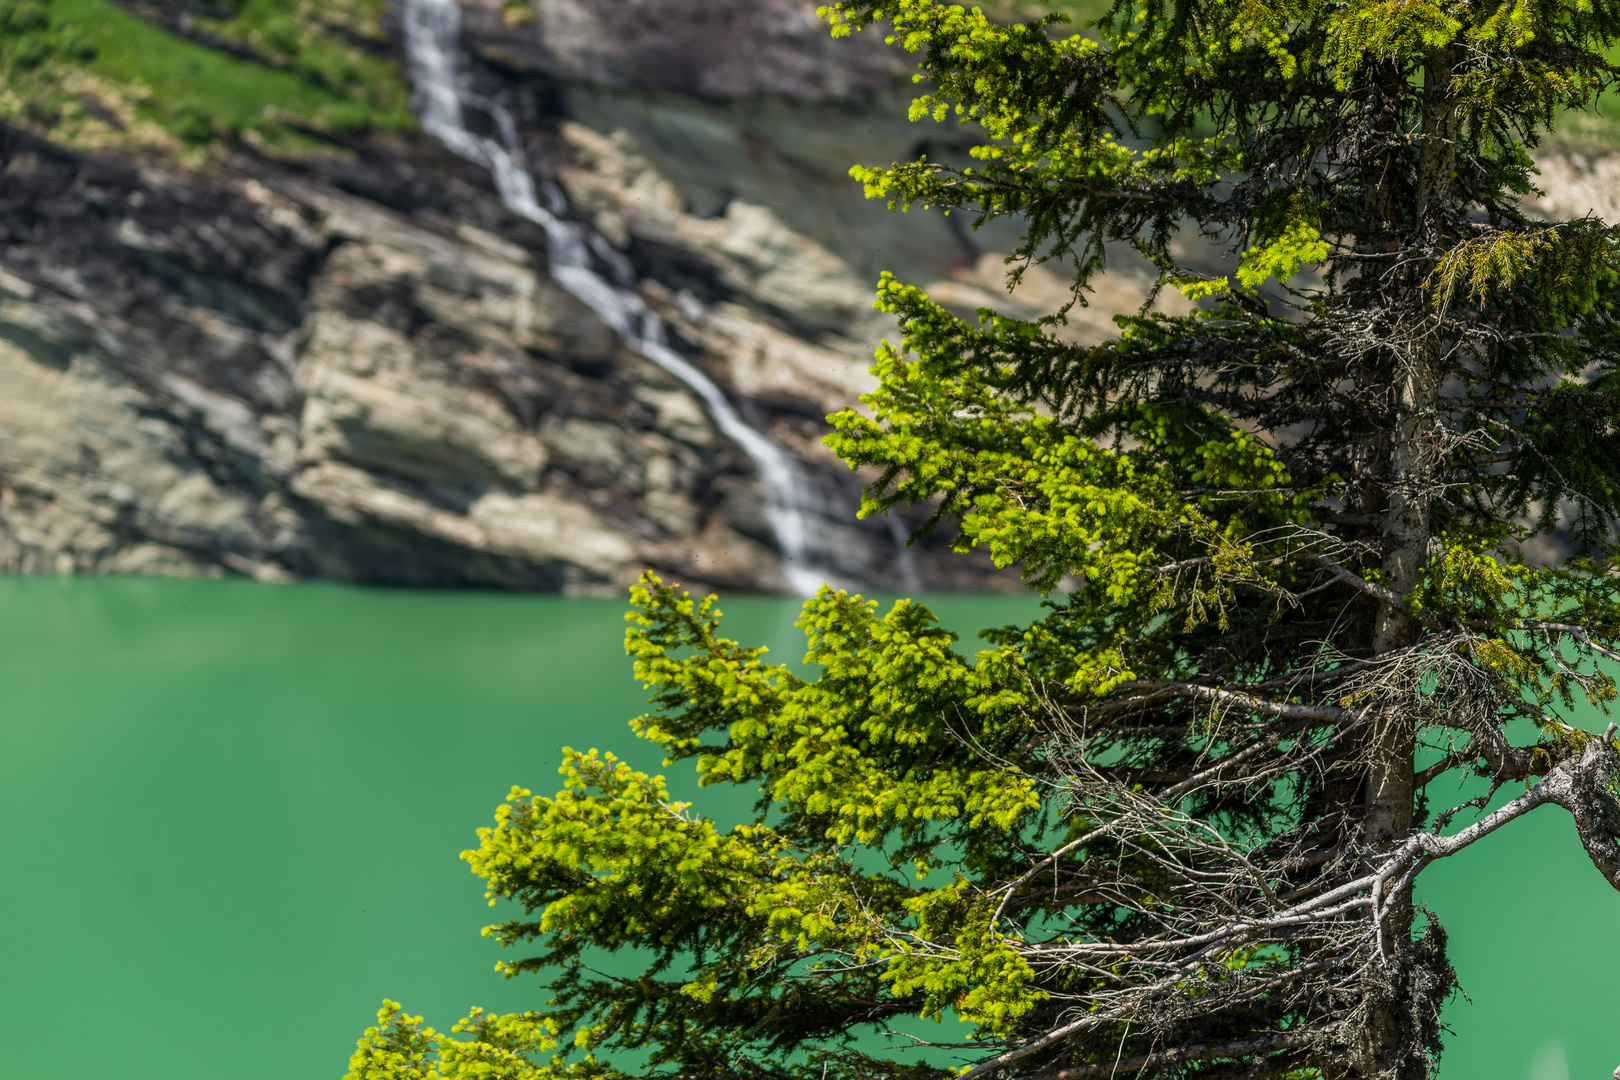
{"type": "Point", "coordinates": [232, 813]}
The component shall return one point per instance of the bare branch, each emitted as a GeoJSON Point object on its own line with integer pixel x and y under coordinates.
{"type": "Point", "coordinates": [1261, 1044]}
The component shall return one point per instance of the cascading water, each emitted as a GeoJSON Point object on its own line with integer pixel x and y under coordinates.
{"type": "Point", "coordinates": [432, 44]}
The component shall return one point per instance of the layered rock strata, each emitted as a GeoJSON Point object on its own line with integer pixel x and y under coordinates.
{"type": "Point", "coordinates": [357, 366]}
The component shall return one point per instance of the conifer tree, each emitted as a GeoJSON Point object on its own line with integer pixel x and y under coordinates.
{"type": "Point", "coordinates": [1171, 827]}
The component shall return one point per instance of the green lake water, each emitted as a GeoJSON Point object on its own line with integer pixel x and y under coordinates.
{"type": "Point", "coordinates": [230, 816]}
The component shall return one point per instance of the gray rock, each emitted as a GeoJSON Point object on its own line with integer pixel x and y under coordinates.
{"type": "Point", "coordinates": [358, 366]}
{"type": "Point", "coordinates": [713, 49]}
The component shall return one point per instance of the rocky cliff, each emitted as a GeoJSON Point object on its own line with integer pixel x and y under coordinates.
{"type": "Point", "coordinates": [353, 362]}
{"type": "Point", "coordinates": [256, 323]}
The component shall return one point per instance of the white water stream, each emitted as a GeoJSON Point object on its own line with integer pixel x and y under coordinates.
{"type": "Point", "coordinates": [432, 45]}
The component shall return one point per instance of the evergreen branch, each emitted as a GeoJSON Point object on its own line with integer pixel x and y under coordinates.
{"type": "Point", "coordinates": [1230, 699]}
{"type": "Point", "coordinates": [1580, 633]}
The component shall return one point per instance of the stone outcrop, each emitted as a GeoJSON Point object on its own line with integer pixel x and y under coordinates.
{"type": "Point", "coordinates": [719, 49]}
{"type": "Point", "coordinates": [357, 365]}
{"type": "Point", "coordinates": [258, 372]}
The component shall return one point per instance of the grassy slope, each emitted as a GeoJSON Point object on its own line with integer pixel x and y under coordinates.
{"type": "Point", "coordinates": [1592, 131]}
{"type": "Point", "coordinates": [94, 73]}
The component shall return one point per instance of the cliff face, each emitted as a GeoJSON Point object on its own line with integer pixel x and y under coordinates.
{"type": "Point", "coordinates": [352, 361]}
{"type": "Point", "coordinates": [356, 364]}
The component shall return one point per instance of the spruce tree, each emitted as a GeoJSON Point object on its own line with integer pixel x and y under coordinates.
{"type": "Point", "coordinates": [1171, 827]}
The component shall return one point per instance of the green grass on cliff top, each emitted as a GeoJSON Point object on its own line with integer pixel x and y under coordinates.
{"type": "Point", "coordinates": [281, 72]}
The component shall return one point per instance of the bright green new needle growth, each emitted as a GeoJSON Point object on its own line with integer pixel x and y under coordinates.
{"type": "Point", "coordinates": [1171, 827]}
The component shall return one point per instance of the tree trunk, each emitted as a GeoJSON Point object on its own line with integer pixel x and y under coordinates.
{"type": "Point", "coordinates": [1413, 452]}
{"type": "Point", "coordinates": [1391, 745]}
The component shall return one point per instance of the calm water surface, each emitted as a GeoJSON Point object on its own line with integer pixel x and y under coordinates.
{"type": "Point", "coordinates": [230, 816]}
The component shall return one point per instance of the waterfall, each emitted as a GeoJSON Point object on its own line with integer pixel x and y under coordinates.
{"type": "Point", "coordinates": [432, 45]}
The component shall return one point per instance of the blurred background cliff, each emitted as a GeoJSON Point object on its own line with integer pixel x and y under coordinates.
{"type": "Point", "coordinates": [254, 322]}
